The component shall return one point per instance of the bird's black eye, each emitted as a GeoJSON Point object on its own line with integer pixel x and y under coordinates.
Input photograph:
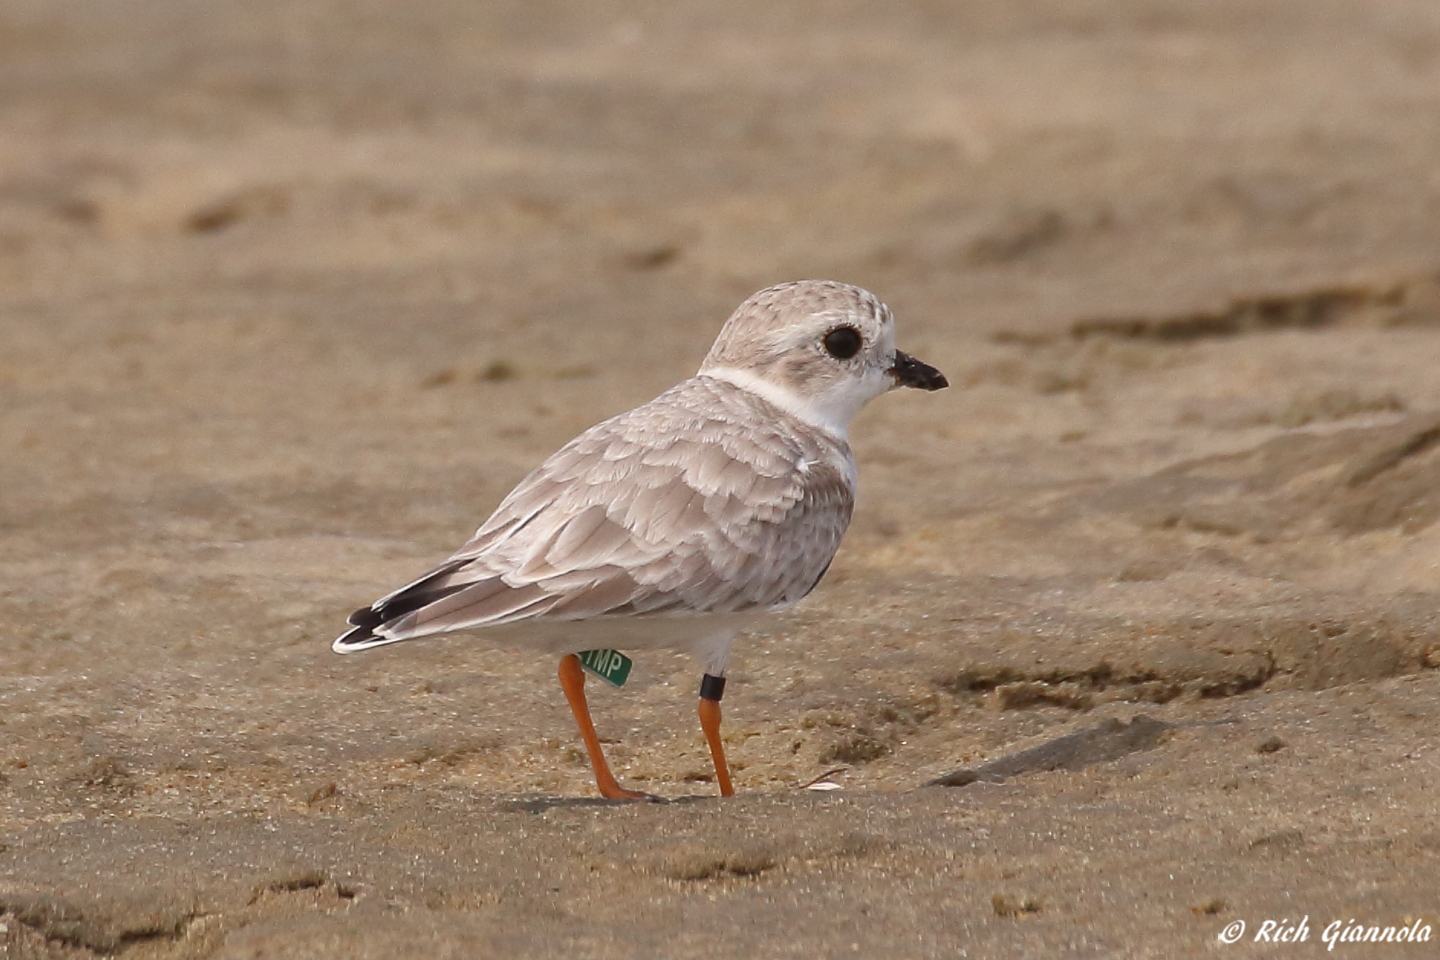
{"type": "Point", "coordinates": [842, 343]}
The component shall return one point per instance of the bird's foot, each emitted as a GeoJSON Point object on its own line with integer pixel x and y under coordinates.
{"type": "Point", "coordinates": [617, 792]}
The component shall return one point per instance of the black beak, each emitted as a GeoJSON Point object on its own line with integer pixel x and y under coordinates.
{"type": "Point", "coordinates": [909, 372]}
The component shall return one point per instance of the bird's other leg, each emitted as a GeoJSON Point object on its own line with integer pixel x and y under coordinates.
{"type": "Point", "coordinates": [712, 688]}
{"type": "Point", "coordinates": [572, 681]}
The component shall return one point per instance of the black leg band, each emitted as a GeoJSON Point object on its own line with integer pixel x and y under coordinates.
{"type": "Point", "coordinates": [712, 688]}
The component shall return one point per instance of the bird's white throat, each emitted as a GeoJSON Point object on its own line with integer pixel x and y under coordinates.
{"type": "Point", "coordinates": [830, 417]}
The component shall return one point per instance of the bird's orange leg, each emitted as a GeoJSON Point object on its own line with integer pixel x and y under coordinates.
{"type": "Point", "coordinates": [572, 681]}
{"type": "Point", "coordinates": [711, 690]}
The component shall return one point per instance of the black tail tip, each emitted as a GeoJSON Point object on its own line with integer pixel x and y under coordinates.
{"type": "Point", "coordinates": [366, 617]}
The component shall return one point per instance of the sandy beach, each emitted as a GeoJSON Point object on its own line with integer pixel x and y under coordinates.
{"type": "Point", "coordinates": [291, 294]}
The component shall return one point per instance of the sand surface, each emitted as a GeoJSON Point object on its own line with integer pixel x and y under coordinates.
{"type": "Point", "coordinates": [291, 293]}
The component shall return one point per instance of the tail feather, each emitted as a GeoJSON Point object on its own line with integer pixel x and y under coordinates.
{"type": "Point", "coordinates": [388, 611]}
{"type": "Point", "coordinates": [365, 617]}
{"type": "Point", "coordinates": [423, 592]}
{"type": "Point", "coordinates": [360, 638]}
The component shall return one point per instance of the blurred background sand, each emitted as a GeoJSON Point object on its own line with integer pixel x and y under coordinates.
{"type": "Point", "coordinates": [292, 293]}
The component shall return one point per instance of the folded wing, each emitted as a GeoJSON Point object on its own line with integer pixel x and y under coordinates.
{"type": "Point", "coordinates": [705, 500]}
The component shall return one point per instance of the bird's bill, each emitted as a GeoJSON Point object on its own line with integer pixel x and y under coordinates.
{"type": "Point", "coordinates": [909, 372]}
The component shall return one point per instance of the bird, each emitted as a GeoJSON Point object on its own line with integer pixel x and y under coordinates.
{"type": "Point", "coordinates": [682, 521]}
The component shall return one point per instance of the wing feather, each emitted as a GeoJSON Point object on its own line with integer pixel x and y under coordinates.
{"type": "Point", "coordinates": [705, 500]}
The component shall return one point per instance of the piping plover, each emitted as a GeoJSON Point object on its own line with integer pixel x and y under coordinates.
{"type": "Point", "coordinates": [681, 521]}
